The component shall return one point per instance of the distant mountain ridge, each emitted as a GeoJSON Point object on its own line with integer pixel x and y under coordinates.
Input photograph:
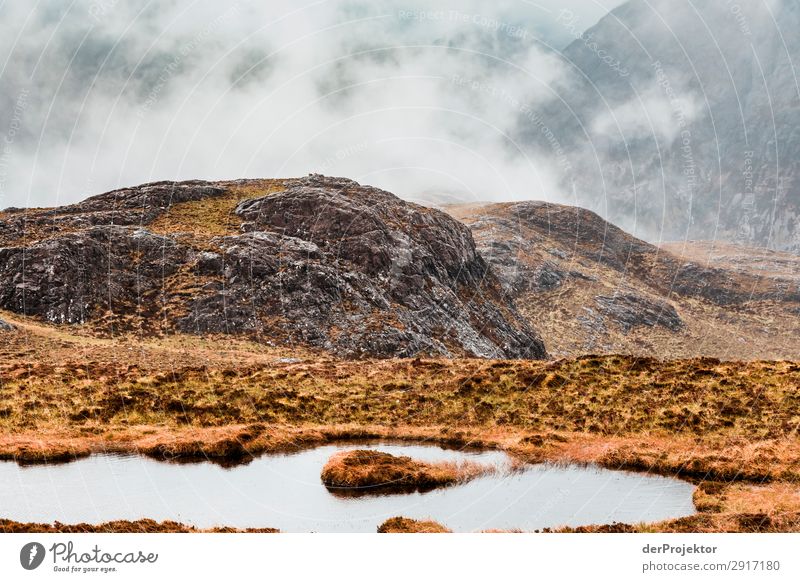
{"type": "Point", "coordinates": [700, 137]}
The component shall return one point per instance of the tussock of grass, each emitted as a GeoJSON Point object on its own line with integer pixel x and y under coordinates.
{"type": "Point", "coordinates": [701, 523]}
{"type": "Point", "coordinates": [367, 471]}
{"type": "Point", "coordinates": [407, 525]}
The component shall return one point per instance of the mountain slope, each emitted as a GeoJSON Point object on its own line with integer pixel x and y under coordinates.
{"type": "Point", "coordinates": [590, 287]}
{"type": "Point", "coordinates": [326, 263]}
{"type": "Point", "coordinates": [695, 134]}
{"type": "Point", "coordinates": [320, 262]}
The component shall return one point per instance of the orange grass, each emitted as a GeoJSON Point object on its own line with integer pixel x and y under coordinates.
{"type": "Point", "coordinates": [378, 471]}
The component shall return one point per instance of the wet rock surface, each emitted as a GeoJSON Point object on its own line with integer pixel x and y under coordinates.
{"type": "Point", "coordinates": [78, 276]}
{"type": "Point", "coordinates": [357, 271]}
{"type": "Point", "coordinates": [630, 310]}
{"type": "Point", "coordinates": [326, 263]}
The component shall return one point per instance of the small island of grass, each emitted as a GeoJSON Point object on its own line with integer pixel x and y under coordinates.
{"type": "Point", "coordinates": [364, 471]}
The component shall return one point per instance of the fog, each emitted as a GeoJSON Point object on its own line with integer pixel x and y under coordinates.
{"type": "Point", "coordinates": [424, 99]}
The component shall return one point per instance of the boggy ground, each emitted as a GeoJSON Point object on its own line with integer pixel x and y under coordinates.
{"type": "Point", "coordinates": [730, 427]}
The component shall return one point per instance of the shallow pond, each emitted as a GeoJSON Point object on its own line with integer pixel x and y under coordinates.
{"type": "Point", "coordinates": [285, 492]}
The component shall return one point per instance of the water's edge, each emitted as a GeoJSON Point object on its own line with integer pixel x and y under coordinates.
{"type": "Point", "coordinates": [284, 491]}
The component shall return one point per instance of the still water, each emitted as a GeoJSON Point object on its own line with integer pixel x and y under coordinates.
{"type": "Point", "coordinates": [285, 492]}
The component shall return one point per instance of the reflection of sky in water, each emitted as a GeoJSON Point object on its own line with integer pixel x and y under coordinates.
{"type": "Point", "coordinates": [285, 491]}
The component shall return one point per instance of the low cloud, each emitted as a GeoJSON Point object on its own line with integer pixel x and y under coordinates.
{"type": "Point", "coordinates": [652, 115]}
{"type": "Point", "coordinates": [397, 94]}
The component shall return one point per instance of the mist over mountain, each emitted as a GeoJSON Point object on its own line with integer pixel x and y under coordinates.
{"type": "Point", "coordinates": [673, 120]}
{"type": "Point", "coordinates": [100, 94]}
{"type": "Point", "coordinates": [682, 120]}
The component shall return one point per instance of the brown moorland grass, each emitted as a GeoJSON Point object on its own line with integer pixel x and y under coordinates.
{"type": "Point", "coordinates": [65, 393]}
{"type": "Point", "coordinates": [199, 221]}
{"type": "Point", "coordinates": [365, 471]}
{"type": "Point", "coordinates": [138, 526]}
{"type": "Point", "coordinates": [702, 523]}
{"type": "Point", "coordinates": [407, 525]}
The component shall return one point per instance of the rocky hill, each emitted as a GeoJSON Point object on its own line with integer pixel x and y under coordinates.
{"type": "Point", "coordinates": [328, 264]}
{"type": "Point", "coordinates": [319, 262]}
{"type": "Point", "coordinates": [590, 287]}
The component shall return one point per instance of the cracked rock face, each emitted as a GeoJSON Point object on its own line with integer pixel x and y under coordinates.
{"type": "Point", "coordinates": [76, 277]}
{"type": "Point", "coordinates": [325, 263]}
{"type": "Point", "coordinates": [357, 271]}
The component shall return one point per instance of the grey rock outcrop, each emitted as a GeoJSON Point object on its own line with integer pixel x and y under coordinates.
{"type": "Point", "coordinates": [357, 271]}
{"type": "Point", "coordinates": [79, 276]}
{"type": "Point", "coordinates": [513, 239]}
{"type": "Point", "coordinates": [325, 263]}
{"type": "Point", "coordinates": [630, 310]}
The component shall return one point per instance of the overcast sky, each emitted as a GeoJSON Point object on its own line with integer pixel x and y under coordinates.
{"type": "Point", "coordinates": [414, 96]}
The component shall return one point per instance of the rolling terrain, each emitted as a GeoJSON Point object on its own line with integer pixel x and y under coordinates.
{"type": "Point", "coordinates": [218, 321]}
{"type": "Point", "coordinates": [317, 262]}
{"type": "Point", "coordinates": [729, 427]}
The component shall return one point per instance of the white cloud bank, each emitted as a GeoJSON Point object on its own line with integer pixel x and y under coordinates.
{"type": "Point", "coordinates": [100, 94]}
